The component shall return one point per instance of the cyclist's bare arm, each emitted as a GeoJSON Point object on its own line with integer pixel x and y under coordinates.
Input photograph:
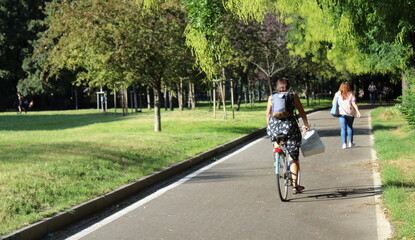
{"type": "Point", "coordinates": [301, 111]}
{"type": "Point", "coordinates": [269, 109]}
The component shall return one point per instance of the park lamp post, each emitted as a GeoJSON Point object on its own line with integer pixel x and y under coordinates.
{"type": "Point", "coordinates": [102, 100]}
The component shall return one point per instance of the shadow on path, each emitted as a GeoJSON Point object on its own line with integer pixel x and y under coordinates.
{"type": "Point", "coordinates": [23, 122]}
{"type": "Point", "coordinates": [337, 193]}
{"type": "Point", "coordinates": [336, 132]}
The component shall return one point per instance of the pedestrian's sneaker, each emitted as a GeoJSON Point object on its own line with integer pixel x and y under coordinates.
{"type": "Point", "coordinates": [344, 146]}
{"type": "Point", "coordinates": [351, 144]}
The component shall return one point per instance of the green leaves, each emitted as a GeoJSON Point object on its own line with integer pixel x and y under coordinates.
{"type": "Point", "coordinates": [113, 41]}
{"type": "Point", "coordinates": [203, 34]}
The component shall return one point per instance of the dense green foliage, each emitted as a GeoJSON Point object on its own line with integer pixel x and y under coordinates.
{"type": "Point", "coordinates": [19, 27]}
{"type": "Point", "coordinates": [355, 36]}
{"type": "Point", "coordinates": [351, 37]}
{"type": "Point", "coordinates": [407, 101]}
{"type": "Point", "coordinates": [327, 38]}
{"type": "Point", "coordinates": [209, 44]}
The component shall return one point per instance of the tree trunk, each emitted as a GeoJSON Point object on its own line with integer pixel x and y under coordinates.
{"type": "Point", "coordinates": [171, 100]}
{"type": "Point", "coordinates": [76, 97]}
{"type": "Point", "coordinates": [122, 101]}
{"type": "Point", "coordinates": [224, 93]}
{"type": "Point", "coordinates": [115, 99]}
{"type": "Point", "coordinates": [232, 101]}
{"type": "Point", "coordinates": [214, 99]}
{"type": "Point", "coordinates": [157, 116]}
{"type": "Point", "coordinates": [240, 92]}
{"type": "Point", "coordinates": [242, 81]}
{"type": "Point", "coordinates": [140, 101]}
{"type": "Point", "coordinates": [135, 99]}
{"type": "Point", "coordinates": [250, 94]}
{"type": "Point", "coordinates": [269, 86]}
{"type": "Point", "coordinates": [259, 91]}
{"type": "Point", "coordinates": [307, 91]}
{"type": "Point", "coordinates": [125, 101]}
{"type": "Point", "coordinates": [148, 99]}
{"type": "Point", "coordinates": [219, 95]}
{"type": "Point", "coordinates": [189, 96]}
{"type": "Point", "coordinates": [209, 95]}
{"type": "Point", "coordinates": [405, 84]}
{"type": "Point", "coordinates": [192, 98]}
{"type": "Point", "coordinates": [180, 94]}
{"type": "Point", "coordinates": [165, 97]}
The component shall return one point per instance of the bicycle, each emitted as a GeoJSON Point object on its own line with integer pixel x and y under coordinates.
{"type": "Point", "coordinates": [282, 168]}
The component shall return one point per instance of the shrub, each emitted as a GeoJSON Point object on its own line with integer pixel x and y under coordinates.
{"type": "Point", "coordinates": [407, 107]}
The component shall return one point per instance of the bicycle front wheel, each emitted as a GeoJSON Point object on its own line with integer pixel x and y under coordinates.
{"type": "Point", "coordinates": [282, 176]}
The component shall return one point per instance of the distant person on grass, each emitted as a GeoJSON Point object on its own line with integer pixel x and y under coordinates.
{"type": "Point", "coordinates": [285, 123]}
{"type": "Point", "coordinates": [387, 91]}
{"type": "Point", "coordinates": [372, 93]}
{"type": "Point", "coordinates": [348, 109]}
{"type": "Point", "coordinates": [20, 106]}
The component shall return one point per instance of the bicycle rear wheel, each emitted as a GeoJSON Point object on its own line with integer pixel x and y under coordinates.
{"type": "Point", "coordinates": [282, 176]}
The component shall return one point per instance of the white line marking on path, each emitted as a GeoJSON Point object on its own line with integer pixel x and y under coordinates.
{"type": "Point", "coordinates": [383, 226]}
{"type": "Point", "coordinates": [155, 195]}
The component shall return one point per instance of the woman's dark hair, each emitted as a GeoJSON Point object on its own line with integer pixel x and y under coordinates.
{"type": "Point", "coordinates": [283, 85]}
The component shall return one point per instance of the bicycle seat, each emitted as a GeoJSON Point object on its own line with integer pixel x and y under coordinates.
{"type": "Point", "coordinates": [281, 138]}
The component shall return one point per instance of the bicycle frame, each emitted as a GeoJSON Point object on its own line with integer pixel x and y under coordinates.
{"type": "Point", "coordinates": [278, 152]}
{"type": "Point", "coordinates": [283, 173]}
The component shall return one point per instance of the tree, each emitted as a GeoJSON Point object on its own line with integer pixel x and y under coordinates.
{"type": "Point", "coordinates": [160, 38]}
{"type": "Point", "coordinates": [114, 42]}
{"type": "Point", "coordinates": [18, 27]}
{"type": "Point", "coordinates": [270, 54]}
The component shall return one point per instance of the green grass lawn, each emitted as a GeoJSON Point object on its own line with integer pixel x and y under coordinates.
{"type": "Point", "coordinates": [394, 143]}
{"type": "Point", "coordinates": [51, 161]}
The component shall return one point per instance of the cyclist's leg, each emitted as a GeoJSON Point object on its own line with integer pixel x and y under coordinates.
{"type": "Point", "coordinates": [295, 169]}
{"type": "Point", "coordinates": [275, 144]}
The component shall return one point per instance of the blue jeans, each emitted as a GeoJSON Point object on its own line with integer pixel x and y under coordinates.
{"type": "Point", "coordinates": [372, 96]}
{"type": "Point", "coordinates": [346, 128]}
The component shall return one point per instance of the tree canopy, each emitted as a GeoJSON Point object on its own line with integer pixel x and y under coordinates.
{"type": "Point", "coordinates": [115, 42]}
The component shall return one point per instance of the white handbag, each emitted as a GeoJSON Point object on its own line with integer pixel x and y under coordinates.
{"type": "Point", "coordinates": [311, 143]}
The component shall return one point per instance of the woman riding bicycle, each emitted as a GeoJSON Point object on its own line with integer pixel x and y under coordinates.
{"type": "Point", "coordinates": [285, 123]}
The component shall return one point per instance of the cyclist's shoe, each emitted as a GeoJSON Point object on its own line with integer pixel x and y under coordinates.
{"type": "Point", "coordinates": [298, 189]}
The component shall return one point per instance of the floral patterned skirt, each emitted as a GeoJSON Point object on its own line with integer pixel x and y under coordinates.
{"type": "Point", "coordinates": [289, 128]}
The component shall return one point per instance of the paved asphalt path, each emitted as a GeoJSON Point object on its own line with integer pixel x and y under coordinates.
{"type": "Point", "coordinates": [236, 197]}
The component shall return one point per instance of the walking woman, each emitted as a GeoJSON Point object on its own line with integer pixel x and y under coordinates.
{"type": "Point", "coordinates": [281, 120]}
{"type": "Point", "coordinates": [347, 110]}
{"type": "Point", "coordinates": [20, 106]}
